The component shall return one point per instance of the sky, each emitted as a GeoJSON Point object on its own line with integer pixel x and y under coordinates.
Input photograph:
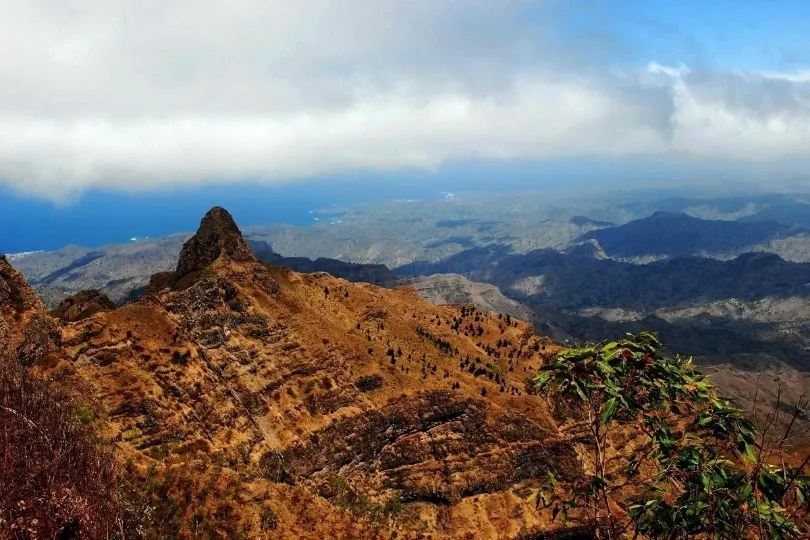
{"type": "Point", "coordinates": [150, 97]}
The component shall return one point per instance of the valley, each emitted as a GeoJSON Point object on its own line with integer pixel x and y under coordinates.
{"type": "Point", "coordinates": [715, 276]}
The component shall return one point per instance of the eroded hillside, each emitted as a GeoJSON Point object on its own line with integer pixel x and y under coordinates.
{"type": "Point", "coordinates": [258, 401]}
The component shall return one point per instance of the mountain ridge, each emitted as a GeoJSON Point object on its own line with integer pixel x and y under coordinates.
{"type": "Point", "coordinates": [677, 234]}
{"type": "Point", "coordinates": [247, 400]}
{"type": "Point", "coordinates": [295, 397]}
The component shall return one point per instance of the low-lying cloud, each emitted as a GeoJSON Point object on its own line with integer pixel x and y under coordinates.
{"type": "Point", "coordinates": [140, 95]}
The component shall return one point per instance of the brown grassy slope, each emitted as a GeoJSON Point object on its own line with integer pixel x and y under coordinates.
{"type": "Point", "coordinates": [268, 404]}
{"type": "Point", "coordinates": [56, 481]}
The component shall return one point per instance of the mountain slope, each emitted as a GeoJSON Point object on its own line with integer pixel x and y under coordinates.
{"type": "Point", "coordinates": [274, 404]}
{"type": "Point", "coordinates": [795, 214]}
{"type": "Point", "coordinates": [676, 235]}
{"type": "Point", "coordinates": [744, 320]}
{"type": "Point", "coordinates": [122, 271]}
{"type": "Point", "coordinates": [244, 400]}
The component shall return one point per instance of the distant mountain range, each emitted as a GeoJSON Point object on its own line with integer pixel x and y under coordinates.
{"type": "Point", "coordinates": [730, 287]}
{"type": "Point", "coordinates": [675, 234]}
{"type": "Point", "coordinates": [122, 271]}
{"type": "Point", "coordinates": [566, 281]}
{"type": "Point", "coordinates": [795, 214]}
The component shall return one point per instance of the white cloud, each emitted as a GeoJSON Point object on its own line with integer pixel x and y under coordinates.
{"type": "Point", "coordinates": [135, 95]}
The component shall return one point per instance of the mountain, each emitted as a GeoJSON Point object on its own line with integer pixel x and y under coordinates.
{"type": "Point", "coordinates": [376, 274]}
{"type": "Point", "coordinates": [258, 401]}
{"type": "Point", "coordinates": [794, 214]}
{"type": "Point", "coordinates": [243, 399]}
{"type": "Point", "coordinates": [27, 332]}
{"type": "Point", "coordinates": [580, 279]}
{"type": "Point", "coordinates": [82, 305]}
{"type": "Point", "coordinates": [584, 221]}
{"type": "Point", "coordinates": [456, 289]}
{"type": "Point", "coordinates": [58, 482]}
{"type": "Point", "coordinates": [122, 271]}
{"type": "Point", "coordinates": [671, 234]}
{"type": "Point", "coordinates": [754, 303]}
{"type": "Point", "coordinates": [744, 319]}
{"type": "Point", "coordinates": [708, 206]}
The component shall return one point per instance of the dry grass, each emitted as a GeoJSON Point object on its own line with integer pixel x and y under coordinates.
{"type": "Point", "coordinates": [57, 481]}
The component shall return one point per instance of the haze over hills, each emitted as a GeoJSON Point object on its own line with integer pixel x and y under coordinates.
{"type": "Point", "coordinates": [677, 235]}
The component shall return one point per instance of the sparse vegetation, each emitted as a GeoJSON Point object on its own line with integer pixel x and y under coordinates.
{"type": "Point", "coordinates": [253, 417]}
{"type": "Point", "coordinates": [348, 498]}
{"type": "Point", "coordinates": [57, 478]}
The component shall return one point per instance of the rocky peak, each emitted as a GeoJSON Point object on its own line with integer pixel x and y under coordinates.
{"type": "Point", "coordinates": [218, 235]}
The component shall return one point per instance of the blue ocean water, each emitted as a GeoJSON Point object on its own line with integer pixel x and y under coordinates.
{"type": "Point", "coordinates": [103, 217]}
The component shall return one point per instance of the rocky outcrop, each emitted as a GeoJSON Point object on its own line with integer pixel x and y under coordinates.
{"type": "Point", "coordinates": [15, 294]}
{"type": "Point", "coordinates": [26, 330]}
{"type": "Point", "coordinates": [160, 281]}
{"type": "Point", "coordinates": [217, 235]}
{"type": "Point", "coordinates": [82, 305]}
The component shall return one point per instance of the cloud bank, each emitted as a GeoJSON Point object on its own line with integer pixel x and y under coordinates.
{"type": "Point", "coordinates": [140, 95]}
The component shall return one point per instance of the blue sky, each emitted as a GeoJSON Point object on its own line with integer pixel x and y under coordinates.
{"type": "Point", "coordinates": [768, 35]}
{"type": "Point", "coordinates": [141, 101]}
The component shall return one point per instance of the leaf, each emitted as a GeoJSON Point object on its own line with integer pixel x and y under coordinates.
{"type": "Point", "coordinates": [608, 410]}
{"type": "Point", "coordinates": [605, 368]}
{"type": "Point", "coordinates": [542, 379]}
{"type": "Point", "coordinates": [579, 391]}
{"type": "Point", "coordinates": [747, 451]}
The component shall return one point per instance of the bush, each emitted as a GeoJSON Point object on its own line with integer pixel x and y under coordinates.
{"type": "Point", "coordinates": [57, 480]}
{"type": "Point", "coordinates": [707, 466]}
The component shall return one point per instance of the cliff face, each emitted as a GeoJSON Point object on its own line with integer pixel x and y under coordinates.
{"type": "Point", "coordinates": [27, 332]}
{"type": "Point", "coordinates": [276, 404]}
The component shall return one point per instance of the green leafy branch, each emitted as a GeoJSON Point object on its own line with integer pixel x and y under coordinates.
{"type": "Point", "coordinates": [710, 476]}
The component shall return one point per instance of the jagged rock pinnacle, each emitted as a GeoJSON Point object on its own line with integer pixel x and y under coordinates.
{"type": "Point", "coordinates": [218, 235]}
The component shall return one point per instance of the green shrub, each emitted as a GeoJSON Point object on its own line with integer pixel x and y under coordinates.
{"type": "Point", "coordinates": [711, 477]}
